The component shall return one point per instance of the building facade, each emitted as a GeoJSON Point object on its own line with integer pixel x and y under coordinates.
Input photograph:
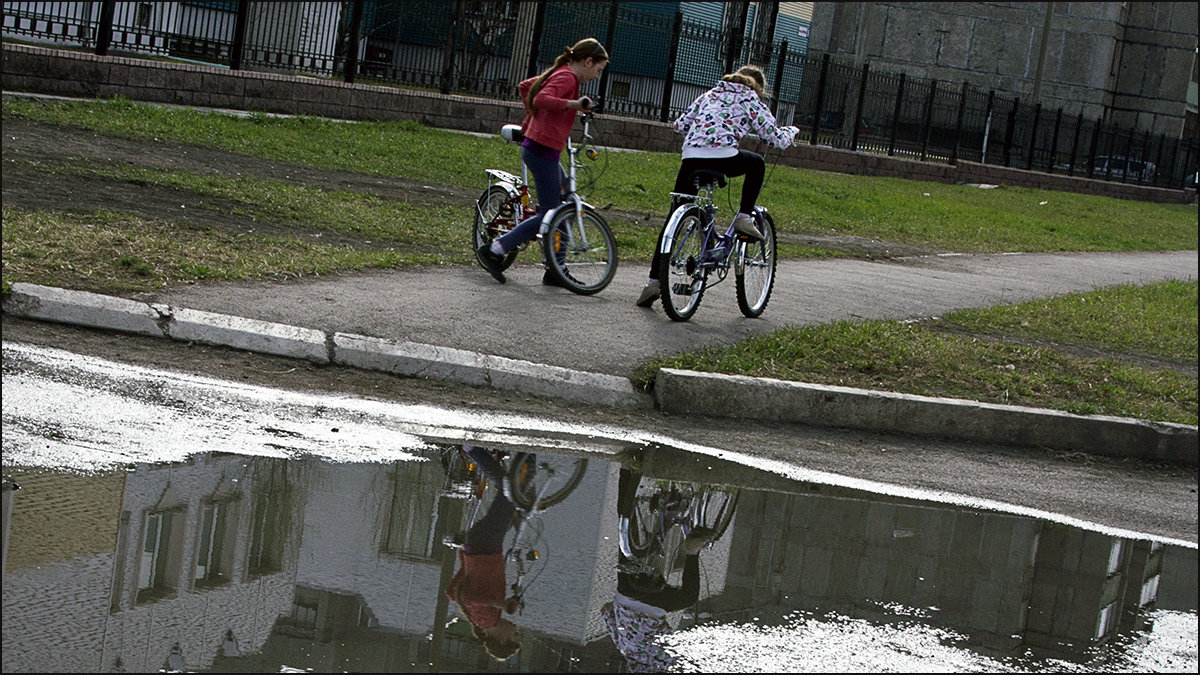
{"type": "Point", "coordinates": [1130, 63]}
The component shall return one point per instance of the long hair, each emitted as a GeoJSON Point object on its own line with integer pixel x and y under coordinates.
{"type": "Point", "coordinates": [587, 48]}
{"type": "Point", "coordinates": [751, 76]}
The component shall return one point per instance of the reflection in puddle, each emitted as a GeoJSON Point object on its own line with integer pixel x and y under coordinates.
{"type": "Point", "coordinates": [236, 563]}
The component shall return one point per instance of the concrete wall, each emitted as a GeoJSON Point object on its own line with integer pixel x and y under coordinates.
{"type": "Point", "coordinates": [1127, 62]}
{"type": "Point", "coordinates": [70, 73]}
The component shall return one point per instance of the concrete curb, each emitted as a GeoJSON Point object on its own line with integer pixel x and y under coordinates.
{"type": "Point", "coordinates": [675, 391]}
{"type": "Point", "coordinates": [410, 359]}
{"type": "Point", "coordinates": [691, 393]}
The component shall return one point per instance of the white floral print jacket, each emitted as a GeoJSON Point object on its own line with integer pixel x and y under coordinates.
{"type": "Point", "coordinates": [718, 119]}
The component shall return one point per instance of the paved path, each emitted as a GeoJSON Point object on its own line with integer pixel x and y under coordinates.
{"type": "Point", "coordinates": [465, 309]}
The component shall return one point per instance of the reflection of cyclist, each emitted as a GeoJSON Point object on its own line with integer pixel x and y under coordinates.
{"type": "Point", "coordinates": [637, 616]}
{"type": "Point", "coordinates": [479, 586]}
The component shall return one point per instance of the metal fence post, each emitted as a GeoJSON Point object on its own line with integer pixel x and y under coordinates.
{"type": "Point", "coordinates": [238, 49]}
{"type": "Point", "coordinates": [672, 54]}
{"type": "Point", "coordinates": [104, 30]}
{"type": "Point", "coordinates": [820, 98]}
{"type": "Point", "coordinates": [927, 123]}
{"type": "Point", "coordinates": [779, 78]}
{"type": "Point", "coordinates": [987, 125]}
{"type": "Point", "coordinates": [356, 16]}
{"type": "Point", "coordinates": [602, 89]}
{"type": "Point", "coordinates": [1054, 141]}
{"type": "Point", "coordinates": [1091, 159]}
{"type": "Point", "coordinates": [862, 93]}
{"type": "Point", "coordinates": [1162, 138]}
{"type": "Point", "coordinates": [448, 52]}
{"type": "Point", "coordinates": [1075, 144]}
{"type": "Point", "coordinates": [736, 41]}
{"type": "Point", "coordinates": [539, 25]}
{"type": "Point", "coordinates": [896, 116]}
{"type": "Point", "coordinates": [1033, 128]}
{"type": "Point", "coordinates": [958, 124]}
{"type": "Point", "coordinates": [1008, 134]}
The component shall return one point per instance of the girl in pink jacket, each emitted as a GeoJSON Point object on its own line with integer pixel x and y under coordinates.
{"type": "Point", "coordinates": [551, 101]}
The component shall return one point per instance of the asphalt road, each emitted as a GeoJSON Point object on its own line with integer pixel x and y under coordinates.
{"type": "Point", "coordinates": [464, 308]}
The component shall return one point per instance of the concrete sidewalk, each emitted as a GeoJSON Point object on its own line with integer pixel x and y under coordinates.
{"type": "Point", "coordinates": [459, 326]}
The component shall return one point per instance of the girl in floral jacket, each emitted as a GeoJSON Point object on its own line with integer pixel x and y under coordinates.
{"type": "Point", "coordinates": [712, 127]}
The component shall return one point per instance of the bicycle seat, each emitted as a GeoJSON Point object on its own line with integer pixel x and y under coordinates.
{"type": "Point", "coordinates": [708, 177]}
{"type": "Point", "coordinates": [512, 133]}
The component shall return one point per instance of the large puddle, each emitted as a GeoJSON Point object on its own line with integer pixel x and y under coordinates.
{"type": "Point", "coordinates": [261, 549]}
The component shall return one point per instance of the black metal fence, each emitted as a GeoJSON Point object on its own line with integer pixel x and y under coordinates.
{"type": "Point", "coordinates": [660, 63]}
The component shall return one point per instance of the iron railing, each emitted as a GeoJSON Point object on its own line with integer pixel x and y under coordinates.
{"type": "Point", "coordinates": [660, 63]}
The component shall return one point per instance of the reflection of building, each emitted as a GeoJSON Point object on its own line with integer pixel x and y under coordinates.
{"type": "Point", "coordinates": [1006, 581]}
{"type": "Point", "coordinates": [176, 562]}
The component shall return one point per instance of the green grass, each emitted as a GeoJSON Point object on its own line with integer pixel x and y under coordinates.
{"type": "Point", "coordinates": [921, 359]}
{"type": "Point", "coordinates": [114, 253]}
{"type": "Point", "coordinates": [1086, 353]}
{"type": "Point", "coordinates": [950, 217]}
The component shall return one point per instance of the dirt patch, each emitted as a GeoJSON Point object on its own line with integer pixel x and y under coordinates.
{"type": "Point", "coordinates": [32, 152]}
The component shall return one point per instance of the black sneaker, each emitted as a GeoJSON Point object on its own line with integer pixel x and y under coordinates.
{"type": "Point", "coordinates": [491, 262]}
{"type": "Point", "coordinates": [549, 279]}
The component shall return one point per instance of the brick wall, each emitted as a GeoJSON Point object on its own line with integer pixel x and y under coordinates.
{"type": "Point", "coordinates": [70, 73]}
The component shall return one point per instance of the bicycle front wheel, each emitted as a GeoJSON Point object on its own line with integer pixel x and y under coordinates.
{"type": "Point", "coordinates": [580, 252]}
{"type": "Point", "coordinates": [495, 215]}
{"type": "Point", "coordinates": [754, 270]}
{"type": "Point", "coordinates": [542, 481]}
{"type": "Point", "coordinates": [680, 276]}
{"type": "Point", "coordinates": [714, 511]}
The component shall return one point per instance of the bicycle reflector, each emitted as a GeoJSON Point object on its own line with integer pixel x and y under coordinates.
{"type": "Point", "coordinates": [532, 555]}
{"type": "Point", "coordinates": [592, 154]}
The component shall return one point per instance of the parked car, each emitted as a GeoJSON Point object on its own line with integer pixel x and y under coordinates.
{"type": "Point", "coordinates": [1120, 167]}
{"type": "Point", "coordinates": [832, 122]}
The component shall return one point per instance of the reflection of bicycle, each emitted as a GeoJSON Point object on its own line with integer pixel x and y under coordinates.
{"type": "Point", "coordinates": [533, 483]}
{"type": "Point", "coordinates": [693, 250]}
{"type": "Point", "coordinates": [578, 248]}
{"type": "Point", "coordinates": [662, 515]}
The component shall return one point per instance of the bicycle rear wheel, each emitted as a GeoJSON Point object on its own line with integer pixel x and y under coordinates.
{"type": "Point", "coordinates": [681, 278]}
{"type": "Point", "coordinates": [754, 270]}
{"type": "Point", "coordinates": [639, 531]}
{"type": "Point", "coordinates": [542, 481]}
{"type": "Point", "coordinates": [495, 215]}
{"type": "Point", "coordinates": [580, 252]}
{"type": "Point", "coordinates": [714, 510]}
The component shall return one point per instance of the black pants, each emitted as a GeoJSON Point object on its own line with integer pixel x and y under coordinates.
{"type": "Point", "coordinates": [653, 591]}
{"type": "Point", "coordinates": [745, 163]}
{"type": "Point", "coordinates": [487, 534]}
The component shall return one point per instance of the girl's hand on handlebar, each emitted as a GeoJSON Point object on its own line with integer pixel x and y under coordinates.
{"type": "Point", "coordinates": [582, 103]}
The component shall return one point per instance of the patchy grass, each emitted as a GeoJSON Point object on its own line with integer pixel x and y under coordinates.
{"type": "Point", "coordinates": [916, 359]}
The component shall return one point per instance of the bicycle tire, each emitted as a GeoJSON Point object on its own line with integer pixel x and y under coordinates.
{"type": "Point", "coordinates": [581, 255]}
{"type": "Point", "coordinates": [526, 479]}
{"type": "Point", "coordinates": [681, 279]}
{"type": "Point", "coordinates": [489, 225]}
{"type": "Point", "coordinates": [754, 270]}
{"type": "Point", "coordinates": [637, 532]}
{"type": "Point", "coordinates": [716, 515]}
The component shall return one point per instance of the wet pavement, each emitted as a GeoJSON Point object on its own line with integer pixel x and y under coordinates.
{"type": "Point", "coordinates": [168, 521]}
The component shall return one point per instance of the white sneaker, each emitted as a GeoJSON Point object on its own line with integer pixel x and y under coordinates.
{"type": "Point", "coordinates": [744, 225]}
{"type": "Point", "coordinates": [649, 294]}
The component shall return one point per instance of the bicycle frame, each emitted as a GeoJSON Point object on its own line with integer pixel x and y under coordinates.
{"type": "Point", "coordinates": [571, 198]}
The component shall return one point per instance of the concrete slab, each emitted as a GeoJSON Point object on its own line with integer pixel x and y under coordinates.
{"type": "Point", "coordinates": [265, 337]}
{"type": "Point", "coordinates": [81, 308]}
{"type": "Point", "coordinates": [685, 392]}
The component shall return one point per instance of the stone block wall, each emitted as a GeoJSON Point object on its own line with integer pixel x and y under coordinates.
{"type": "Point", "coordinates": [42, 70]}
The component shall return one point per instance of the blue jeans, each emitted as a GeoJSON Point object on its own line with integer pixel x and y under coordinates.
{"type": "Point", "coordinates": [548, 177]}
